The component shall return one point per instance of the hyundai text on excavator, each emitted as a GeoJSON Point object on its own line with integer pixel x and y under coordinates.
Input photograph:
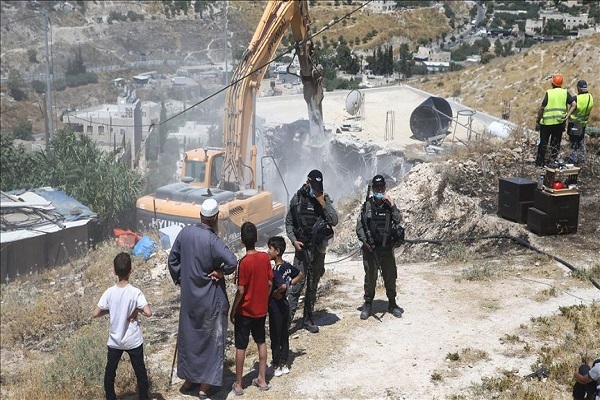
{"type": "Point", "coordinates": [229, 175]}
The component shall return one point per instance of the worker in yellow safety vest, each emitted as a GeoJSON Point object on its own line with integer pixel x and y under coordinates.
{"type": "Point", "coordinates": [557, 106]}
{"type": "Point", "coordinates": [578, 122]}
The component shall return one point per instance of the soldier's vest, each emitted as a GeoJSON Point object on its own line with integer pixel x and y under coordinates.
{"type": "Point", "coordinates": [379, 220]}
{"type": "Point", "coordinates": [306, 217]}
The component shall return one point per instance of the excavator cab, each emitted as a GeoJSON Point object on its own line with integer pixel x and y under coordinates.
{"type": "Point", "coordinates": [202, 167]}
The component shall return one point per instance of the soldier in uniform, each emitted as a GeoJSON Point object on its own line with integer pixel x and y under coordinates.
{"type": "Point", "coordinates": [378, 228]}
{"type": "Point", "coordinates": [308, 225]}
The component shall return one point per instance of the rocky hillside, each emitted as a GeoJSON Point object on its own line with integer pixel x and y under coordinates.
{"type": "Point", "coordinates": [104, 39]}
{"type": "Point", "coordinates": [522, 79]}
{"type": "Point", "coordinates": [107, 41]}
{"type": "Point", "coordinates": [518, 81]}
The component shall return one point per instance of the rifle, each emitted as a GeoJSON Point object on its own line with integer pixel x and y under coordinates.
{"type": "Point", "coordinates": [540, 373]}
{"type": "Point", "coordinates": [370, 241]}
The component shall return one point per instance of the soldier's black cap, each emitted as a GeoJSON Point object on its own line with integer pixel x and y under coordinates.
{"type": "Point", "coordinates": [315, 177]}
{"type": "Point", "coordinates": [378, 180]}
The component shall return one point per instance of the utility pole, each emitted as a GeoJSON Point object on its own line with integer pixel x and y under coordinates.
{"type": "Point", "coordinates": [49, 113]}
{"type": "Point", "coordinates": [226, 47]}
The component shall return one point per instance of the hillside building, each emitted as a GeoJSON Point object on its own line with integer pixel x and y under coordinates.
{"type": "Point", "coordinates": [119, 125]}
{"type": "Point", "coordinates": [381, 6]}
{"type": "Point", "coordinates": [571, 21]}
{"type": "Point", "coordinates": [192, 133]}
{"type": "Point", "coordinates": [434, 61]}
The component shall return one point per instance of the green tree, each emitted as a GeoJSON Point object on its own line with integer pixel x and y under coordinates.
{"type": "Point", "coordinates": [405, 63]}
{"type": "Point", "coordinates": [200, 6]}
{"type": "Point", "coordinates": [38, 86]}
{"type": "Point", "coordinates": [484, 44]}
{"type": "Point", "coordinates": [412, 3]}
{"type": "Point", "coordinates": [76, 165]}
{"type": "Point", "coordinates": [162, 171]}
{"type": "Point", "coordinates": [473, 12]}
{"type": "Point", "coordinates": [181, 5]}
{"type": "Point", "coordinates": [508, 46]}
{"type": "Point", "coordinates": [116, 16]}
{"type": "Point", "coordinates": [346, 61]}
{"type": "Point", "coordinates": [23, 130]}
{"type": "Point", "coordinates": [594, 11]}
{"type": "Point", "coordinates": [486, 58]}
{"type": "Point", "coordinates": [448, 12]}
{"type": "Point", "coordinates": [555, 27]}
{"type": "Point", "coordinates": [14, 162]}
{"type": "Point", "coordinates": [76, 66]}
{"type": "Point", "coordinates": [163, 128]}
{"type": "Point", "coordinates": [498, 47]}
{"type": "Point", "coordinates": [32, 56]}
{"type": "Point", "coordinates": [215, 137]}
{"type": "Point", "coordinates": [381, 62]}
{"type": "Point", "coordinates": [152, 147]}
{"type": "Point", "coordinates": [15, 85]}
{"type": "Point", "coordinates": [81, 5]}
{"type": "Point", "coordinates": [133, 16]}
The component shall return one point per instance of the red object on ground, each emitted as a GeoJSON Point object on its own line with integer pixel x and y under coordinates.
{"type": "Point", "coordinates": [126, 238]}
{"type": "Point", "coordinates": [558, 185]}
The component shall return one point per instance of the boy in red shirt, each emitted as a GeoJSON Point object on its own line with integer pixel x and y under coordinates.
{"type": "Point", "coordinates": [249, 311]}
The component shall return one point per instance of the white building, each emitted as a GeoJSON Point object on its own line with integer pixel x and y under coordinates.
{"type": "Point", "coordinates": [440, 57]}
{"type": "Point", "coordinates": [191, 132]}
{"type": "Point", "coordinates": [531, 25]}
{"type": "Point", "coordinates": [425, 53]}
{"type": "Point", "coordinates": [381, 6]}
{"type": "Point", "coordinates": [572, 22]}
{"type": "Point", "coordinates": [436, 66]}
{"type": "Point", "coordinates": [122, 125]}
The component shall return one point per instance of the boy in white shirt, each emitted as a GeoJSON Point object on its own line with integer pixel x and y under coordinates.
{"type": "Point", "coordinates": [122, 302]}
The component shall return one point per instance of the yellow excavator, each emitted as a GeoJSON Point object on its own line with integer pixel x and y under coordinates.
{"type": "Point", "coordinates": [229, 175]}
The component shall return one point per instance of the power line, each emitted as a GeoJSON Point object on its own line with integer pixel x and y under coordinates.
{"type": "Point", "coordinates": [289, 50]}
{"type": "Point", "coordinates": [233, 83]}
{"type": "Point", "coordinates": [326, 27]}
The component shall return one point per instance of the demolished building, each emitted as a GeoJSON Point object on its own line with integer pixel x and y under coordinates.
{"type": "Point", "coordinates": [42, 228]}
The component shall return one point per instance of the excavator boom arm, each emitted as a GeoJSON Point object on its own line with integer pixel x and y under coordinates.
{"type": "Point", "coordinates": [239, 164]}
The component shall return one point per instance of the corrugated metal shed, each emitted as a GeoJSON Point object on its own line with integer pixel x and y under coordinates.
{"type": "Point", "coordinates": [41, 228]}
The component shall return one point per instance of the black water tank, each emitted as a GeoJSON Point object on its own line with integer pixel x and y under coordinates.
{"type": "Point", "coordinates": [431, 118]}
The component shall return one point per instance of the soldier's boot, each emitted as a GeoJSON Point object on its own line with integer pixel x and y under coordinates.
{"type": "Point", "coordinates": [366, 310]}
{"type": "Point", "coordinates": [395, 310]}
{"type": "Point", "coordinates": [310, 326]}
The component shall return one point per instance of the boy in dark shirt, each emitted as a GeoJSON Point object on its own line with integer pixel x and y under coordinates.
{"type": "Point", "coordinates": [284, 276]}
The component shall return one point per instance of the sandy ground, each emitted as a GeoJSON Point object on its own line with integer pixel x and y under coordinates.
{"type": "Point", "coordinates": [388, 358]}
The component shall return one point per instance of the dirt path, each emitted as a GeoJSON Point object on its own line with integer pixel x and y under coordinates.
{"type": "Point", "coordinates": [385, 357]}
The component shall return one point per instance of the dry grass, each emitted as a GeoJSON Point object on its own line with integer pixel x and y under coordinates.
{"type": "Point", "coordinates": [47, 318]}
{"type": "Point", "coordinates": [423, 23]}
{"type": "Point", "coordinates": [485, 87]}
{"type": "Point", "coordinates": [74, 368]}
{"type": "Point", "coordinates": [455, 362]}
{"type": "Point", "coordinates": [561, 342]}
{"type": "Point", "coordinates": [77, 370]}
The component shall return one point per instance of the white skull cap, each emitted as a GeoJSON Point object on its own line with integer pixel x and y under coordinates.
{"type": "Point", "coordinates": [210, 208]}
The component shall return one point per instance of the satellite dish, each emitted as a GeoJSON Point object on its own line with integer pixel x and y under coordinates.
{"type": "Point", "coordinates": [354, 103]}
